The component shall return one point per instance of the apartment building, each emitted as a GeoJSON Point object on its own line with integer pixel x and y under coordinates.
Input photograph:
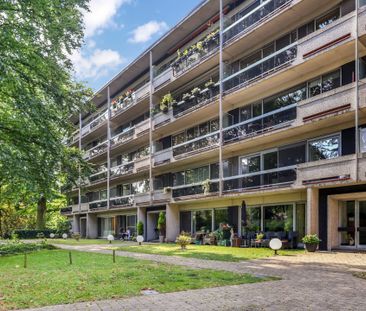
{"type": "Point", "coordinates": [249, 112]}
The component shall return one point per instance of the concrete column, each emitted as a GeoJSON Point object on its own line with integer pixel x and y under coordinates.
{"type": "Point", "coordinates": [333, 220]}
{"type": "Point", "coordinates": [172, 222]}
{"type": "Point", "coordinates": [76, 224]}
{"type": "Point", "coordinates": [141, 212]}
{"type": "Point", "coordinates": [91, 226]}
{"type": "Point", "coordinates": [312, 211]}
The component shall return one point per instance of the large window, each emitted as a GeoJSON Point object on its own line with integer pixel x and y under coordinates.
{"type": "Point", "coordinates": [324, 83]}
{"type": "Point", "coordinates": [253, 219]}
{"type": "Point", "coordinates": [324, 148]}
{"type": "Point", "coordinates": [105, 227]}
{"type": "Point", "coordinates": [250, 164]}
{"type": "Point", "coordinates": [202, 221]}
{"type": "Point", "coordinates": [196, 175]}
{"type": "Point", "coordinates": [278, 218]}
{"type": "Point", "coordinates": [221, 216]}
{"type": "Point", "coordinates": [327, 19]}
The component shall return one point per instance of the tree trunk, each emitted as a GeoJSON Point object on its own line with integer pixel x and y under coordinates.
{"type": "Point", "coordinates": [41, 213]}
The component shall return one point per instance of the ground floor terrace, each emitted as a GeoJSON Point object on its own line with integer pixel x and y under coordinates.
{"type": "Point", "coordinates": [337, 214]}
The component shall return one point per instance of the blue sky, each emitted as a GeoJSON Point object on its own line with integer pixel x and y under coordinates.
{"type": "Point", "coordinates": [117, 31]}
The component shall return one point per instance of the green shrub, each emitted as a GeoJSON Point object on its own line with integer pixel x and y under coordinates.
{"type": "Point", "coordinates": [17, 247]}
{"type": "Point", "coordinates": [33, 234]}
{"type": "Point", "coordinates": [311, 239]}
{"type": "Point", "coordinates": [76, 236]}
{"type": "Point", "coordinates": [140, 228]}
{"type": "Point", "coordinates": [183, 241]}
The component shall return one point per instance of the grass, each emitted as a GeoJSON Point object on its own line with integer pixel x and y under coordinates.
{"type": "Point", "coordinates": [81, 241]}
{"type": "Point", "coordinates": [361, 275]}
{"type": "Point", "coordinates": [49, 279]}
{"type": "Point", "coordinates": [208, 252]}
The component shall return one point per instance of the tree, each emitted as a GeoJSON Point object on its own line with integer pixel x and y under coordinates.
{"type": "Point", "coordinates": [38, 96]}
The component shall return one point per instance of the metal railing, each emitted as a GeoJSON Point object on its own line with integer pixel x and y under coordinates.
{"type": "Point", "coordinates": [201, 143]}
{"type": "Point", "coordinates": [98, 204]}
{"type": "Point", "coordinates": [195, 189]}
{"type": "Point", "coordinates": [123, 169]}
{"type": "Point", "coordinates": [261, 68]}
{"type": "Point", "coordinates": [97, 150]}
{"type": "Point", "coordinates": [127, 200]}
{"type": "Point", "coordinates": [94, 123]}
{"type": "Point", "coordinates": [253, 18]}
{"type": "Point", "coordinates": [123, 137]}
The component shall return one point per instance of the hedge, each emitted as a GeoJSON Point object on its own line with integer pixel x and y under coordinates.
{"type": "Point", "coordinates": [33, 234]}
{"type": "Point", "coordinates": [14, 248]}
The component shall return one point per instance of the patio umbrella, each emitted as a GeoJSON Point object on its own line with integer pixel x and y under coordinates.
{"type": "Point", "coordinates": [243, 213]}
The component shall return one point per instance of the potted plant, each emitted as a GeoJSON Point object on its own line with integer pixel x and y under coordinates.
{"type": "Point", "coordinates": [259, 237]}
{"type": "Point", "coordinates": [167, 190]}
{"type": "Point", "coordinates": [186, 96]}
{"type": "Point", "coordinates": [209, 84]}
{"type": "Point", "coordinates": [140, 228]}
{"type": "Point", "coordinates": [195, 91]}
{"type": "Point", "coordinates": [311, 242]}
{"type": "Point", "coordinates": [206, 186]}
{"type": "Point", "coordinates": [183, 240]}
{"type": "Point", "coordinates": [166, 102]}
{"type": "Point", "coordinates": [161, 226]}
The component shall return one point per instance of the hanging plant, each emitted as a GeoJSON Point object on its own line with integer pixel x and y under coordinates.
{"type": "Point", "coordinates": [195, 91]}
{"type": "Point", "coordinates": [209, 84]}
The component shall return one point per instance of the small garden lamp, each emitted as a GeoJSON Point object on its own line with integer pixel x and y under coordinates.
{"type": "Point", "coordinates": [140, 239]}
{"type": "Point", "coordinates": [64, 236]}
{"type": "Point", "coordinates": [52, 235]}
{"type": "Point", "coordinates": [275, 244]}
{"type": "Point", "coordinates": [110, 238]}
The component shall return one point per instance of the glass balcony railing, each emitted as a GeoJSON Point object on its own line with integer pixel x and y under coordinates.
{"type": "Point", "coordinates": [122, 201]}
{"type": "Point", "coordinates": [203, 98]}
{"type": "Point", "coordinates": [263, 123]}
{"type": "Point", "coordinates": [252, 18]}
{"type": "Point", "coordinates": [121, 170]}
{"type": "Point", "coordinates": [261, 68]}
{"type": "Point", "coordinates": [97, 150]}
{"type": "Point", "coordinates": [94, 123]}
{"type": "Point", "coordinates": [98, 176]}
{"type": "Point", "coordinates": [195, 189]}
{"type": "Point", "coordinates": [202, 143]}
{"type": "Point", "coordinates": [257, 180]}
{"type": "Point", "coordinates": [98, 204]}
{"type": "Point", "coordinates": [123, 137]}
{"type": "Point", "coordinates": [196, 53]}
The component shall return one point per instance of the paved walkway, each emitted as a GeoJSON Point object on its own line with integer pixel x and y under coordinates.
{"type": "Point", "coordinates": [320, 281]}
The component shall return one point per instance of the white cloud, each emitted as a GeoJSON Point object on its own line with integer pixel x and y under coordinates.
{"type": "Point", "coordinates": [101, 15]}
{"type": "Point", "coordinates": [144, 33]}
{"type": "Point", "coordinates": [98, 64]}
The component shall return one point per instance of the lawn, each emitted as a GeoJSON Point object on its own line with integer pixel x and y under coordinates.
{"type": "Point", "coordinates": [49, 279]}
{"type": "Point", "coordinates": [82, 241]}
{"type": "Point", "coordinates": [209, 252]}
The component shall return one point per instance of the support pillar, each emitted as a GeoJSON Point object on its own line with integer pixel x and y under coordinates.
{"type": "Point", "coordinates": [172, 222]}
{"type": "Point", "coordinates": [91, 226]}
{"type": "Point", "coordinates": [141, 216]}
{"type": "Point", "coordinates": [76, 224]}
{"type": "Point", "coordinates": [312, 211]}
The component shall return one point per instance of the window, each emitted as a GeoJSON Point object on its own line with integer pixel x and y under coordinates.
{"type": "Point", "coordinates": [363, 139]}
{"type": "Point", "coordinates": [245, 113]}
{"type": "Point", "coordinates": [270, 160]}
{"type": "Point", "coordinates": [221, 216]}
{"type": "Point", "coordinates": [324, 148]}
{"type": "Point", "coordinates": [250, 164]}
{"type": "Point", "coordinates": [327, 19]}
{"type": "Point", "coordinates": [331, 81]}
{"type": "Point", "coordinates": [178, 139]}
{"type": "Point", "coordinates": [315, 87]}
{"type": "Point", "coordinates": [202, 221]}
{"type": "Point", "coordinates": [253, 219]}
{"type": "Point", "coordinates": [292, 155]}
{"type": "Point", "coordinates": [278, 218]}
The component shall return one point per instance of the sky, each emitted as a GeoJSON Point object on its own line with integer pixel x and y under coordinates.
{"type": "Point", "coordinates": [117, 31]}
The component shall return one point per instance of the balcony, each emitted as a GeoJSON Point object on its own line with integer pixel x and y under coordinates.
{"type": "Point", "coordinates": [267, 122]}
{"type": "Point", "coordinates": [96, 151]}
{"type": "Point", "coordinates": [192, 191]}
{"type": "Point", "coordinates": [163, 156]}
{"type": "Point", "coordinates": [123, 137]}
{"type": "Point", "coordinates": [142, 199]}
{"type": "Point", "coordinates": [121, 105]}
{"type": "Point", "coordinates": [142, 164]}
{"type": "Point", "coordinates": [199, 144]}
{"type": "Point", "coordinates": [99, 204]}
{"type": "Point", "coordinates": [163, 78]}
{"type": "Point", "coordinates": [278, 177]}
{"type": "Point", "coordinates": [161, 196]}
{"type": "Point", "coordinates": [251, 20]}
{"type": "Point", "coordinates": [74, 138]}
{"type": "Point", "coordinates": [98, 177]}
{"type": "Point", "coordinates": [260, 69]}
{"type": "Point", "coordinates": [122, 170]}
{"type": "Point", "coordinates": [94, 124]}
{"type": "Point", "coordinates": [66, 210]}
{"type": "Point", "coordinates": [124, 201]}
{"type": "Point", "coordinates": [337, 170]}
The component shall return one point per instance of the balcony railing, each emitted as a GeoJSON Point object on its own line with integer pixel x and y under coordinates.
{"type": "Point", "coordinates": [267, 179]}
{"type": "Point", "coordinates": [123, 137]}
{"type": "Point", "coordinates": [261, 68]}
{"type": "Point", "coordinates": [252, 19]}
{"type": "Point", "coordinates": [205, 97]}
{"type": "Point", "coordinates": [123, 201]}
{"type": "Point", "coordinates": [66, 210]}
{"type": "Point", "coordinates": [258, 125]}
{"type": "Point", "coordinates": [195, 189]}
{"type": "Point", "coordinates": [123, 169]}
{"type": "Point", "coordinates": [195, 55]}
{"type": "Point", "coordinates": [198, 144]}
{"type": "Point", "coordinates": [95, 123]}
{"type": "Point", "coordinates": [98, 204]}
{"type": "Point", "coordinates": [98, 176]}
{"type": "Point", "coordinates": [122, 105]}
{"type": "Point", "coordinates": [97, 150]}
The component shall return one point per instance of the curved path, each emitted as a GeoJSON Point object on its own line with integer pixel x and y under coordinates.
{"type": "Point", "coordinates": [320, 281]}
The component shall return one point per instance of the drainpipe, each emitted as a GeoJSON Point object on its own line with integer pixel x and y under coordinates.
{"type": "Point", "coordinates": [151, 184]}
{"type": "Point", "coordinates": [221, 76]}
{"type": "Point", "coordinates": [357, 134]}
{"type": "Point", "coordinates": [109, 146]}
{"type": "Point", "coordinates": [79, 181]}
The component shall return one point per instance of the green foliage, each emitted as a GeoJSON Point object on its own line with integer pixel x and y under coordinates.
{"type": "Point", "coordinates": [166, 102]}
{"type": "Point", "coordinates": [37, 97]}
{"type": "Point", "coordinates": [311, 239]}
{"type": "Point", "coordinates": [140, 228]}
{"type": "Point", "coordinates": [33, 234]}
{"type": "Point", "coordinates": [260, 236]}
{"type": "Point", "coordinates": [76, 236]}
{"type": "Point", "coordinates": [183, 240]}
{"type": "Point", "coordinates": [16, 247]}
{"type": "Point", "coordinates": [162, 223]}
